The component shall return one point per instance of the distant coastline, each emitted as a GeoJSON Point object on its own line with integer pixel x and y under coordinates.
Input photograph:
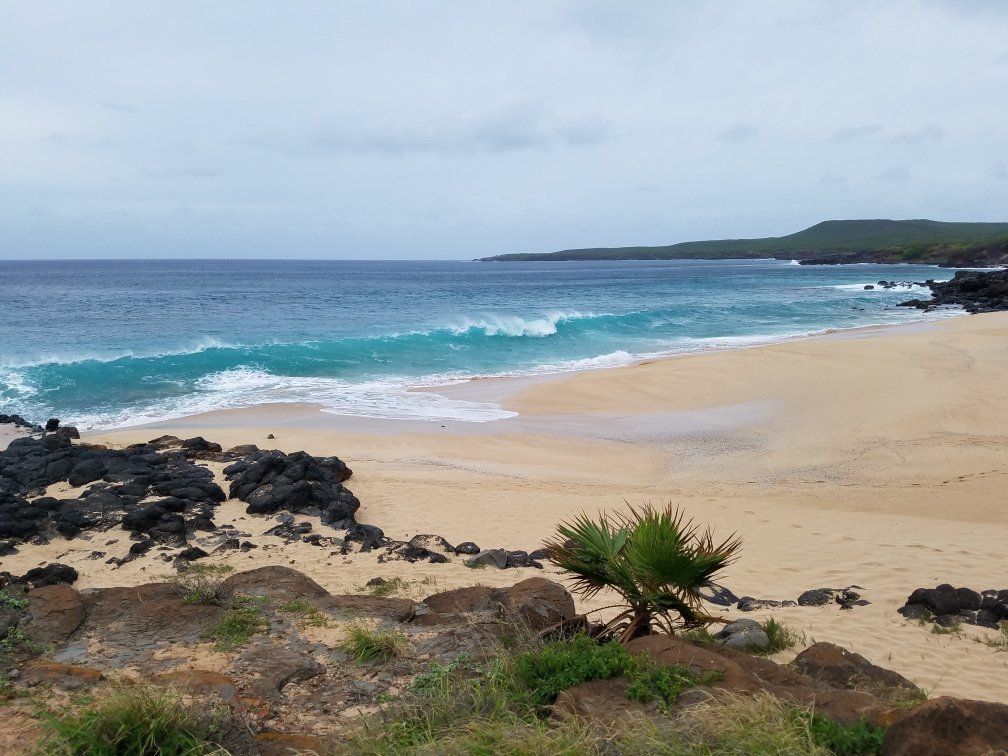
{"type": "Point", "coordinates": [834, 242]}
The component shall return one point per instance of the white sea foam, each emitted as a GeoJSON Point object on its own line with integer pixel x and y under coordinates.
{"type": "Point", "coordinates": [515, 325]}
{"type": "Point", "coordinates": [906, 286]}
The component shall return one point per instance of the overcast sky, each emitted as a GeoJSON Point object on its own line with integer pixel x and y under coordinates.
{"type": "Point", "coordinates": [461, 129]}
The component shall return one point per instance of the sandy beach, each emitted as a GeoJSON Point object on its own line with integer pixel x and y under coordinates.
{"type": "Point", "coordinates": [871, 458]}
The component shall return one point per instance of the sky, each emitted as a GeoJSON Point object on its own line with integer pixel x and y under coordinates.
{"type": "Point", "coordinates": [455, 130]}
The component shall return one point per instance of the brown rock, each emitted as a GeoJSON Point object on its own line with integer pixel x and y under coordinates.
{"type": "Point", "coordinates": [949, 725]}
{"type": "Point", "coordinates": [475, 599]}
{"type": "Point", "coordinates": [746, 675]}
{"type": "Point", "coordinates": [137, 620]}
{"type": "Point", "coordinates": [602, 701]}
{"type": "Point", "coordinates": [270, 668]}
{"type": "Point", "coordinates": [54, 611]}
{"type": "Point", "coordinates": [280, 744]}
{"type": "Point", "coordinates": [64, 676]}
{"type": "Point", "coordinates": [539, 602]}
{"type": "Point", "coordinates": [841, 668]}
{"type": "Point", "coordinates": [275, 582]}
{"type": "Point", "coordinates": [200, 681]}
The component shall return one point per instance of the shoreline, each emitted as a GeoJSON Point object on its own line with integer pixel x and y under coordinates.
{"type": "Point", "coordinates": [878, 460]}
{"type": "Point", "coordinates": [491, 389]}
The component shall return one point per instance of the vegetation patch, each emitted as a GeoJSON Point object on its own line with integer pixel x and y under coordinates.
{"type": "Point", "coordinates": [858, 738]}
{"type": "Point", "coordinates": [366, 643]}
{"type": "Point", "coordinates": [238, 625]}
{"type": "Point", "coordinates": [309, 614]}
{"type": "Point", "coordinates": [387, 587]}
{"type": "Point", "coordinates": [135, 720]}
{"type": "Point", "coordinates": [11, 601]}
{"type": "Point", "coordinates": [564, 664]}
{"type": "Point", "coordinates": [202, 583]}
{"type": "Point", "coordinates": [781, 636]}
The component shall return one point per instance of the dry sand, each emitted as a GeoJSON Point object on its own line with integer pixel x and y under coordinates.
{"type": "Point", "coordinates": [878, 459]}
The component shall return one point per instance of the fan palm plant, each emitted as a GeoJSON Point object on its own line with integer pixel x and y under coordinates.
{"type": "Point", "coordinates": [656, 559]}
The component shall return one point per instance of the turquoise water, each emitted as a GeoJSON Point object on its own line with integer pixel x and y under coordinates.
{"type": "Point", "coordinates": [114, 343]}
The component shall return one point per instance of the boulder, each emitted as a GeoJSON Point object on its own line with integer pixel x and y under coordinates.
{"type": "Point", "coordinates": [949, 725]}
{"type": "Point", "coordinates": [743, 635]}
{"type": "Point", "coordinates": [52, 574]}
{"type": "Point", "coordinates": [432, 543]}
{"type": "Point", "coordinates": [489, 557]}
{"type": "Point", "coordinates": [271, 668]}
{"type": "Point", "coordinates": [744, 674]}
{"type": "Point", "coordinates": [841, 668]}
{"type": "Point", "coordinates": [539, 603]}
{"type": "Point", "coordinates": [467, 547]}
{"type": "Point", "coordinates": [276, 582]}
{"type": "Point", "coordinates": [750, 604]}
{"type": "Point", "coordinates": [718, 595]}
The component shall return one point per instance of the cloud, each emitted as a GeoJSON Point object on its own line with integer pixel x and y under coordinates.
{"type": "Point", "coordinates": [510, 130]}
{"type": "Point", "coordinates": [928, 133]}
{"type": "Point", "coordinates": [999, 171]}
{"type": "Point", "coordinates": [833, 179]}
{"type": "Point", "coordinates": [738, 132]}
{"type": "Point", "coordinates": [858, 131]}
{"type": "Point", "coordinates": [895, 173]}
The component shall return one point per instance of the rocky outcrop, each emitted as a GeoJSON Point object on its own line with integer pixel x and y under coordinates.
{"type": "Point", "coordinates": [54, 613]}
{"type": "Point", "coordinates": [975, 291]}
{"type": "Point", "coordinates": [122, 482]}
{"type": "Point", "coordinates": [743, 635]}
{"type": "Point", "coordinates": [948, 725]}
{"type": "Point", "coordinates": [271, 481]}
{"type": "Point", "coordinates": [836, 666]}
{"type": "Point", "coordinates": [536, 603]}
{"type": "Point", "coordinates": [949, 606]}
{"type": "Point", "coordinates": [740, 674]}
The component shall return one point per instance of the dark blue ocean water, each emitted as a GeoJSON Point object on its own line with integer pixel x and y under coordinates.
{"type": "Point", "coordinates": [113, 343]}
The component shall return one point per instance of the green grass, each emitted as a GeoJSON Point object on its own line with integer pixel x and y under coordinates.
{"type": "Point", "coordinates": [235, 628]}
{"type": "Point", "coordinates": [858, 738]}
{"type": "Point", "coordinates": [310, 615]}
{"type": "Point", "coordinates": [564, 664]}
{"type": "Point", "coordinates": [134, 721]}
{"type": "Point", "coordinates": [781, 636]}
{"type": "Point", "coordinates": [201, 583]}
{"type": "Point", "coordinates": [10, 601]}
{"type": "Point", "coordinates": [367, 644]}
{"type": "Point", "coordinates": [17, 640]}
{"type": "Point", "coordinates": [438, 674]}
{"type": "Point", "coordinates": [937, 629]}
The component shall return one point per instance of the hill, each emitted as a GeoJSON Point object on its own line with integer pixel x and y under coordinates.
{"type": "Point", "coordinates": [829, 242]}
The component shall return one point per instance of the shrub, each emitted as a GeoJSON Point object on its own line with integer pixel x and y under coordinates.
{"type": "Point", "coordinates": [656, 560]}
{"type": "Point", "coordinates": [858, 738]}
{"type": "Point", "coordinates": [135, 720]}
{"type": "Point", "coordinates": [564, 664]}
{"type": "Point", "coordinates": [780, 635]}
{"type": "Point", "coordinates": [365, 643]}
{"type": "Point", "coordinates": [201, 583]}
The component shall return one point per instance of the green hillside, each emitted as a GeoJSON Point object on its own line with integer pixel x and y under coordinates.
{"type": "Point", "coordinates": [829, 241]}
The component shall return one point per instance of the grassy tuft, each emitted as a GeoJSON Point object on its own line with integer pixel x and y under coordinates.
{"type": "Point", "coordinates": [366, 643]}
{"type": "Point", "coordinates": [999, 643]}
{"type": "Point", "coordinates": [697, 635]}
{"type": "Point", "coordinates": [135, 720]}
{"type": "Point", "coordinates": [201, 583]}
{"type": "Point", "coordinates": [238, 625]}
{"type": "Point", "coordinates": [387, 587]}
{"type": "Point", "coordinates": [310, 615]}
{"type": "Point", "coordinates": [781, 636]}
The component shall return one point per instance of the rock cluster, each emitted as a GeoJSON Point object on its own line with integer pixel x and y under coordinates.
{"type": "Point", "coordinates": [271, 481]}
{"type": "Point", "coordinates": [122, 481]}
{"type": "Point", "coordinates": [976, 291]}
{"type": "Point", "coordinates": [948, 606]}
{"type": "Point", "coordinates": [19, 422]}
{"type": "Point", "coordinates": [846, 598]}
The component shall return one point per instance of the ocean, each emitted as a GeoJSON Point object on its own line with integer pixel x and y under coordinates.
{"type": "Point", "coordinates": [104, 344]}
